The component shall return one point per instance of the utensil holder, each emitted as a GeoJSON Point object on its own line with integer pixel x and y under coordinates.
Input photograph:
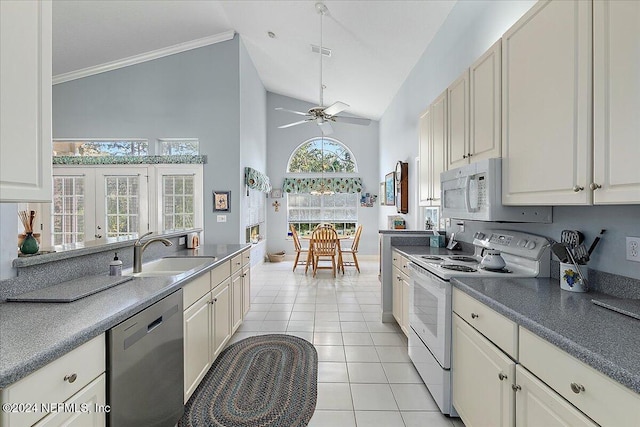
{"type": "Point", "coordinates": [570, 279]}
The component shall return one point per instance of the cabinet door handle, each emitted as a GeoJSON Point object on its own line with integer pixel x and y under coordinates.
{"type": "Point", "coordinates": [577, 388]}
{"type": "Point", "coordinates": [464, 156]}
{"type": "Point", "coordinates": [577, 188]}
{"type": "Point", "coordinates": [594, 186]}
{"type": "Point", "coordinates": [399, 278]}
{"type": "Point", "coordinates": [516, 387]}
{"type": "Point", "coordinates": [474, 316]}
{"type": "Point", "coordinates": [469, 154]}
{"type": "Point", "coordinates": [502, 376]}
{"type": "Point", "coordinates": [70, 378]}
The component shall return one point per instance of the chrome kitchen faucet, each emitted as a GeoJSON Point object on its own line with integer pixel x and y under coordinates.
{"type": "Point", "coordinates": [139, 247]}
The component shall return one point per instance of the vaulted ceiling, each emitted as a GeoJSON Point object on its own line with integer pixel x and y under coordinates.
{"type": "Point", "coordinates": [374, 44]}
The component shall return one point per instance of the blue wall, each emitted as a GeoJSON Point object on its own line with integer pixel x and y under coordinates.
{"type": "Point", "coordinates": [211, 93]}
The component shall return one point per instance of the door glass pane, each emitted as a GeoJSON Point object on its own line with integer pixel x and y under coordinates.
{"type": "Point", "coordinates": [122, 204]}
{"type": "Point", "coordinates": [67, 217]}
{"type": "Point", "coordinates": [178, 201]}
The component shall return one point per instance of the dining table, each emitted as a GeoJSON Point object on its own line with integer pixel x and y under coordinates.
{"type": "Point", "coordinates": [309, 237]}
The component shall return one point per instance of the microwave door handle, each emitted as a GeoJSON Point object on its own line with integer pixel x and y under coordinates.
{"type": "Point", "coordinates": [467, 195]}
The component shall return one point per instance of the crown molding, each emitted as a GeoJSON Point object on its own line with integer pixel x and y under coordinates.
{"type": "Point", "coordinates": [144, 57]}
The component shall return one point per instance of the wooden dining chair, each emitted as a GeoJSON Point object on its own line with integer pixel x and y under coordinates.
{"type": "Point", "coordinates": [324, 242]}
{"type": "Point", "coordinates": [353, 250]}
{"type": "Point", "coordinates": [298, 247]}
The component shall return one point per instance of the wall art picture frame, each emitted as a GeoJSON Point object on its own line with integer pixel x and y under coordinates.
{"type": "Point", "coordinates": [390, 189]}
{"type": "Point", "coordinates": [222, 201]}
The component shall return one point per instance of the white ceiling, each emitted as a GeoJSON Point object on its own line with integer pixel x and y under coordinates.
{"type": "Point", "coordinates": [374, 44]}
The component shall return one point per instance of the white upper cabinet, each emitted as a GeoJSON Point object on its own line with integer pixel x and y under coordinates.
{"type": "Point", "coordinates": [485, 105]}
{"type": "Point", "coordinates": [25, 104]}
{"type": "Point", "coordinates": [433, 137]}
{"type": "Point", "coordinates": [438, 144]}
{"type": "Point", "coordinates": [616, 85]}
{"type": "Point", "coordinates": [458, 121]}
{"type": "Point", "coordinates": [474, 111]}
{"type": "Point", "coordinates": [546, 106]}
{"type": "Point", "coordinates": [425, 178]}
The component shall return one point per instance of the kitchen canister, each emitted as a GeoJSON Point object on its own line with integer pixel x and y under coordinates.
{"type": "Point", "coordinates": [437, 241]}
{"type": "Point", "coordinates": [570, 280]}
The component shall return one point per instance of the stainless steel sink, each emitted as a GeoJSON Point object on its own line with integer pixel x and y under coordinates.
{"type": "Point", "coordinates": [172, 266]}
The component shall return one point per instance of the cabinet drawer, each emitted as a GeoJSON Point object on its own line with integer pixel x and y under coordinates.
{"type": "Point", "coordinates": [220, 273]}
{"type": "Point", "coordinates": [604, 400]}
{"type": "Point", "coordinates": [195, 289]}
{"type": "Point", "coordinates": [236, 263]}
{"type": "Point", "coordinates": [400, 262]}
{"type": "Point", "coordinates": [48, 384]}
{"type": "Point", "coordinates": [502, 331]}
{"type": "Point", "coordinates": [92, 397]}
{"type": "Point", "coordinates": [246, 257]}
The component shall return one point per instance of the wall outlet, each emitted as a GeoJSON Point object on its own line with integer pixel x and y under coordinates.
{"type": "Point", "coordinates": [182, 241]}
{"type": "Point", "coordinates": [222, 218]}
{"type": "Point", "coordinates": [633, 249]}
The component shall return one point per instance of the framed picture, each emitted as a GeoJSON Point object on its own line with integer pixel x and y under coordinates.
{"type": "Point", "coordinates": [382, 194]}
{"type": "Point", "coordinates": [390, 189]}
{"type": "Point", "coordinates": [276, 193]}
{"type": "Point", "coordinates": [222, 201]}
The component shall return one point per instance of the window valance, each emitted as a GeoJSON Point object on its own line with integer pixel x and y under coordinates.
{"type": "Point", "coordinates": [256, 180]}
{"type": "Point", "coordinates": [337, 185]}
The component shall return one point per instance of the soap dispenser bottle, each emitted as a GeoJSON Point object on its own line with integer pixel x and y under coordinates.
{"type": "Point", "coordinates": [115, 266]}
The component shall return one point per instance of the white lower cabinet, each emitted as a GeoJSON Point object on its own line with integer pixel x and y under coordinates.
{"type": "Point", "coordinates": [197, 344]}
{"type": "Point", "coordinates": [246, 289]}
{"type": "Point", "coordinates": [88, 408]}
{"type": "Point", "coordinates": [220, 317]}
{"type": "Point", "coordinates": [482, 378]}
{"type": "Point", "coordinates": [544, 387]}
{"type": "Point", "coordinates": [538, 405]}
{"type": "Point", "coordinates": [215, 304]}
{"type": "Point", "coordinates": [236, 301]}
{"type": "Point", "coordinates": [77, 377]}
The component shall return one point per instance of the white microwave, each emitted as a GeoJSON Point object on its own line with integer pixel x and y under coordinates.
{"type": "Point", "coordinates": [474, 192]}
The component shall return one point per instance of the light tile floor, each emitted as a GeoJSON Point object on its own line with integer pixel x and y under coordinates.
{"type": "Point", "coordinates": [365, 377]}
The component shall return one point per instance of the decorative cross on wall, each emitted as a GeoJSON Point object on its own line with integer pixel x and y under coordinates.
{"type": "Point", "coordinates": [276, 205]}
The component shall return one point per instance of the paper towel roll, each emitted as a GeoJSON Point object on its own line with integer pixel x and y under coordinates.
{"type": "Point", "coordinates": [193, 240]}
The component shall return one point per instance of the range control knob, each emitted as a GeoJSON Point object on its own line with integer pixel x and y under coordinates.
{"type": "Point", "coordinates": [521, 243]}
{"type": "Point", "coordinates": [480, 235]}
{"type": "Point", "coordinates": [530, 244]}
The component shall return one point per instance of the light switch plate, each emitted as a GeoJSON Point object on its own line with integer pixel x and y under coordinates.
{"type": "Point", "coordinates": [222, 218]}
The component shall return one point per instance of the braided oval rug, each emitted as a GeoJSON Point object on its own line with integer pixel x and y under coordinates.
{"type": "Point", "coordinates": [260, 381]}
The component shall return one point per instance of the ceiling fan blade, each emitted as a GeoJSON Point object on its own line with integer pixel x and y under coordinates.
{"type": "Point", "coordinates": [293, 124]}
{"type": "Point", "coordinates": [352, 120]}
{"type": "Point", "coordinates": [291, 111]}
{"type": "Point", "coordinates": [335, 108]}
{"type": "Point", "coordinates": [326, 128]}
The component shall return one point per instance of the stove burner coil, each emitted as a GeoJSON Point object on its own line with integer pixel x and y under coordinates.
{"type": "Point", "coordinates": [431, 257]}
{"type": "Point", "coordinates": [463, 258]}
{"type": "Point", "coordinates": [458, 267]}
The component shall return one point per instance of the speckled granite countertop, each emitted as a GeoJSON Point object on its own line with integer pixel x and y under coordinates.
{"type": "Point", "coordinates": [34, 334]}
{"type": "Point", "coordinates": [605, 340]}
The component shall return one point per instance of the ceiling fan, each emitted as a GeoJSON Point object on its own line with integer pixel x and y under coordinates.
{"type": "Point", "coordinates": [321, 115]}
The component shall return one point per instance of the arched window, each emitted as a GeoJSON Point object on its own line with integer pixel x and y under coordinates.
{"type": "Point", "coordinates": [310, 156]}
{"type": "Point", "coordinates": [323, 160]}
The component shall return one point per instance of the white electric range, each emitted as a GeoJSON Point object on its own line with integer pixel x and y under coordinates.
{"type": "Point", "coordinates": [525, 255]}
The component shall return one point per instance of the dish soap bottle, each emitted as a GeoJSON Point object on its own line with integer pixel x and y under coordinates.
{"type": "Point", "coordinates": [115, 266]}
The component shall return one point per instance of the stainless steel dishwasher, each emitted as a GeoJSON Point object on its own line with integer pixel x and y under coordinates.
{"type": "Point", "coordinates": [145, 367]}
